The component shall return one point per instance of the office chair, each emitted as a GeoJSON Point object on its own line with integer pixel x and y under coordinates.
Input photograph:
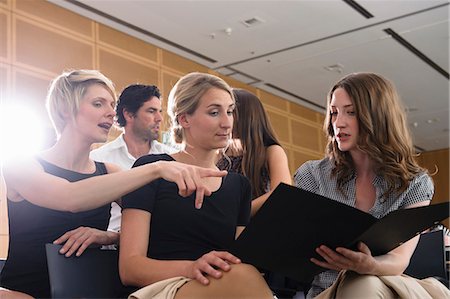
{"type": "Point", "coordinates": [429, 258]}
{"type": "Point", "coordinates": [94, 274]}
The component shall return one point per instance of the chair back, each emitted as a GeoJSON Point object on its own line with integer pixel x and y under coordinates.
{"type": "Point", "coordinates": [94, 274]}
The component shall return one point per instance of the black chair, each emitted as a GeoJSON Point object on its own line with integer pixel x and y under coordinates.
{"type": "Point", "coordinates": [429, 258]}
{"type": "Point", "coordinates": [94, 274]}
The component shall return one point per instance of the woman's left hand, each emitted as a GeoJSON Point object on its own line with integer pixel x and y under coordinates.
{"type": "Point", "coordinates": [79, 239]}
{"type": "Point", "coordinates": [361, 261]}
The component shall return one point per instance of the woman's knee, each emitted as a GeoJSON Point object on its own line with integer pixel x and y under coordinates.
{"type": "Point", "coordinates": [243, 271]}
{"type": "Point", "coordinates": [363, 286]}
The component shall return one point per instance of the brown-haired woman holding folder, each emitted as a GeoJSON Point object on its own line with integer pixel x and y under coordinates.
{"type": "Point", "coordinates": [370, 165]}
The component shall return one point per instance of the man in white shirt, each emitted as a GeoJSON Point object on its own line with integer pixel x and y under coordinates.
{"type": "Point", "coordinates": [139, 113]}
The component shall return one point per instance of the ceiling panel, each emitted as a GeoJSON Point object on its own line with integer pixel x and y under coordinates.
{"type": "Point", "coordinates": [292, 43]}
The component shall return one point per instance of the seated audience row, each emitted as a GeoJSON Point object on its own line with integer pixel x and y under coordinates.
{"type": "Point", "coordinates": [180, 212]}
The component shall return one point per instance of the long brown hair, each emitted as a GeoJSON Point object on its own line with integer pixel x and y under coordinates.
{"type": "Point", "coordinates": [253, 129]}
{"type": "Point", "coordinates": [383, 132]}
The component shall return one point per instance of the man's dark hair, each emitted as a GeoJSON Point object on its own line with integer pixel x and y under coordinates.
{"type": "Point", "coordinates": [132, 98]}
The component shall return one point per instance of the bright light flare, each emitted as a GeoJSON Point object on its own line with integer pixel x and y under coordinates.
{"type": "Point", "coordinates": [21, 132]}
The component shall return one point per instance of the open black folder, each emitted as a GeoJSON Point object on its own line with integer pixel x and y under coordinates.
{"type": "Point", "coordinates": [283, 235]}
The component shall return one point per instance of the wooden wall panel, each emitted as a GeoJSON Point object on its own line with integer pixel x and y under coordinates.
{"type": "Point", "coordinates": [168, 81]}
{"type": "Point", "coordinates": [4, 34]}
{"type": "Point", "coordinates": [235, 83]}
{"type": "Point", "coordinates": [112, 37]}
{"type": "Point", "coordinates": [306, 135]}
{"type": "Point", "coordinates": [273, 101]}
{"type": "Point", "coordinates": [439, 160]}
{"type": "Point", "coordinates": [30, 89]}
{"type": "Point", "coordinates": [180, 64]}
{"type": "Point", "coordinates": [303, 111]}
{"type": "Point", "coordinates": [5, 4]}
{"type": "Point", "coordinates": [301, 157]}
{"type": "Point", "coordinates": [123, 71]}
{"type": "Point", "coordinates": [57, 16]}
{"type": "Point", "coordinates": [280, 124]}
{"type": "Point", "coordinates": [45, 49]}
{"type": "Point", "coordinates": [4, 83]}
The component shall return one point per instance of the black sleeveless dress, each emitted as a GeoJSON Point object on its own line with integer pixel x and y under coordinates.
{"type": "Point", "coordinates": [32, 226]}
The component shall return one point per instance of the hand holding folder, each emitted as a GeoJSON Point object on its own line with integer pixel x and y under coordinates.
{"type": "Point", "coordinates": [292, 223]}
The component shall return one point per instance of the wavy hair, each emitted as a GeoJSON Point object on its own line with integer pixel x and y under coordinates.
{"type": "Point", "coordinates": [185, 95]}
{"type": "Point", "coordinates": [132, 98]}
{"type": "Point", "coordinates": [252, 127]}
{"type": "Point", "coordinates": [383, 132]}
{"type": "Point", "coordinates": [66, 92]}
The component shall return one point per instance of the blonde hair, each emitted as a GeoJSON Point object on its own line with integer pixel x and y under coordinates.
{"type": "Point", "coordinates": [383, 131]}
{"type": "Point", "coordinates": [66, 92]}
{"type": "Point", "coordinates": [185, 96]}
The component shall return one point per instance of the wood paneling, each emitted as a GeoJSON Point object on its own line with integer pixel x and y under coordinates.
{"type": "Point", "coordinates": [301, 157]}
{"type": "Point", "coordinates": [4, 29]}
{"type": "Point", "coordinates": [235, 83]}
{"type": "Point", "coordinates": [306, 135]}
{"type": "Point", "coordinates": [115, 38]}
{"type": "Point", "coordinates": [168, 81]}
{"type": "Point", "coordinates": [48, 50]}
{"type": "Point", "coordinates": [123, 71]}
{"type": "Point", "coordinates": [273, 101]}
{"type": "Point", "coordinates": [30, 89]}
{"type": "Point", "coordinates": [303, 112]}
{"type": "Point", "coordinates": [56, 16]}
{"type": "Point", "coordinates": [280, 125]}
{"type": "Point", "coordinates": [181, 64]}
{"type": "Point", "coordinates": [438, 160]}
{"type": "Point", "coordinates": [4, 83]}
{"type": "Point", "coordinates": [4, 3]}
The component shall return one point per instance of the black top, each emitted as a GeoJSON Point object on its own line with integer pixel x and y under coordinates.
{"type": "Point", "coordinates": [32, 226]}
{"type": "Point", "coordinates": [234, 164]}
{"type": "Point", "coordinates": [178, 229]}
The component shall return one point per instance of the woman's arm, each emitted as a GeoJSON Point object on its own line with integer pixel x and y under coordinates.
{"type": "Point", "coordinates": [136, 269]}
{"type": "Point", "coordinates": [279, 173]}
{"type": "Point", "coordinates": [362, 261]}
{"type": "Point", "coordinates": [27, 180]}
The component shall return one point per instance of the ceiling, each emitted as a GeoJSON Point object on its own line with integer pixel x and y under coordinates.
{"type": "Point", "coordinates": [298, 49]}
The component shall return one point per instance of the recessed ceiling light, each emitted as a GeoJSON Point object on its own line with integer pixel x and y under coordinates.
{"type": "Point", "coordinates": [253, 21]}
{"type": "Point", "coordinates": [432, 120]}
{"type": "Point", "coordinates": [411, 109]}
{"type": "Point", "coordinates": [336, 68]}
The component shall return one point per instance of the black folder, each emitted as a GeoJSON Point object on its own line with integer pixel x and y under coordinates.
{"type": "Point", "coordinates": [292, 223]}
